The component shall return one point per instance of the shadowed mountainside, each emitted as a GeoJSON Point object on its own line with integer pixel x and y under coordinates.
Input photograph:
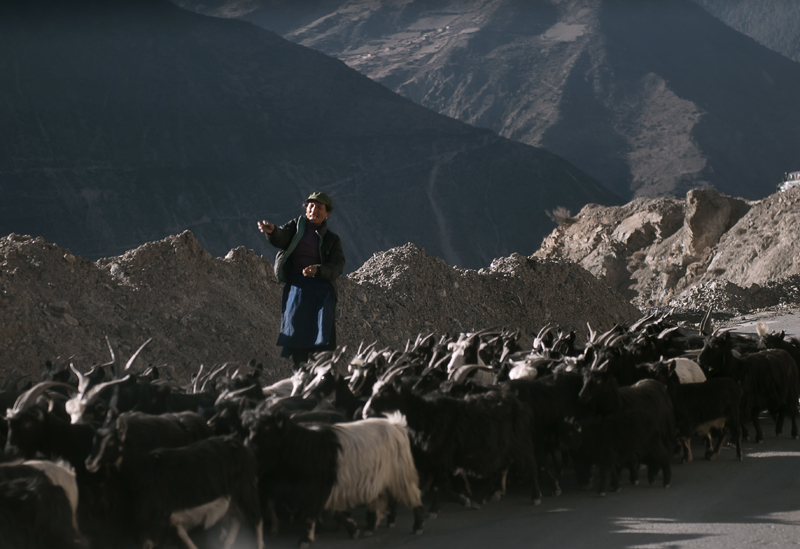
{"type": "Point", "coordinates": [650, 97]}
{"type": "Point", "coordinates": [125, 121]}
{"type": "Point", "coordinates": [775, 24]}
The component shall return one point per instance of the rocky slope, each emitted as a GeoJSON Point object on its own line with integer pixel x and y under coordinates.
{"type": "Point", "coordinates": [671, 252]}
{"type": "Point", "coordinates": [134, 119]}
{"type": "Point", "coordinates": [205, 310]}
{"type": "Point", "coordinates": [652, 98]}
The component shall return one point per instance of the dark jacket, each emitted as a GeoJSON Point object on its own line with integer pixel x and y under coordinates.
{"type": "Point", "coordinates": [286, 237]}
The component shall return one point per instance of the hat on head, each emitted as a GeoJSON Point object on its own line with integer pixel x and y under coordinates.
{"type": "Point", "coordinates": [322, 198]}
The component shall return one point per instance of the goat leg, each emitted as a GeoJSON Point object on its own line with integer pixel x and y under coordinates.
{"type": "Point", "coordinates": [391, 516]}
{"type": "Point", "coordinates": [344, 518]}
{"type": "Point", "coordinates": [757, 427]}
{"type": "Point", "coordinates": [375, 513]}
{"type": "Point", "coordinates": [419, 519]}
{"type": "Point", "coordinates": [308, 535]}
{"type": "Point", "coordinates": [711, 455]}
{"type": "Point", "coordinates": [779, 417]}
{"type": "Point", "coordinates": [273, 518]}
{"type": "Point", "coordinates": [234, 531]}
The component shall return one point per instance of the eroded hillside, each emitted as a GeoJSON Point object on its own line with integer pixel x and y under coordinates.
{"type": "Point", "coordinates": [673, 252]}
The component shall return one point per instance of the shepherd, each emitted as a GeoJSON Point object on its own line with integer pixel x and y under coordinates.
{"type": "Point", "coordinates": [309, 261]}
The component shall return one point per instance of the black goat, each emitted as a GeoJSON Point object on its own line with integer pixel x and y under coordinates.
{"type": "Point", "coordinates": [643, 414]}
{"type": "Point", "coordinates": [702, 407]}
{"type": "Point", "coordinates": [552, 399]}
{"type": "Point", "coordinates": [173, 490]}
{"type": "Point", "coordinates": [774, 340]}
{"type": "Point", "coordinates": [482, 435]}
{"type": "Point", "coordinates": [139, 432]}
{"type": "Point", "coordinates": [612, 441]}
{"type": "Point", "coordinates": [769, 381]}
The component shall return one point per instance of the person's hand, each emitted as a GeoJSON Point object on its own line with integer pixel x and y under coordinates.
{"type": "Point", "coordinates": [311, 270]}
{"type": "Point", "coordinates": [266, 227]}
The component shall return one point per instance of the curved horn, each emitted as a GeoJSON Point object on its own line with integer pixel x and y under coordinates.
{"type": "Point", "coordinates": [607, 335]}
{"type": "Point", "coordinates": [460, 374]}
{"type": "Point", "coordinates": [667, 332]}
{"type": "Point", "coordinates": [592, 333]}
{"type": "Point", "coordinates": [114, 358]}
{"type": "Point", "coordinates": [94, 391]}
{"type": "Point", "coordinates": [83, 381]}
{"type": "Point", "coordinates": [196, 378]}
{"type": "Point", "coordinates": [395, 370]}
{"type": "Point", "coordinates": [595, 362]}
{"type": "Point", "coordinates": [214, 373]}
{"type": "Point", "coordinates": [706, 327]}
{"type": "Point", "coordinates": [228, 395]}
{"type": "Point", "coordinates": [136, 354]}
{"type": "Point", "coordinates": [29, 397]}
{"type": "Point", "coordinates": [338, 353]}
{"type": "Point", "coordinates": [636, 325]}
{"type": "Point", "coordinates": [76, 406]}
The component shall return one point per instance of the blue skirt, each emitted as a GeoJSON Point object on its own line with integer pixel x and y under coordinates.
{"type": "Point", "coordinates": [307, 313]}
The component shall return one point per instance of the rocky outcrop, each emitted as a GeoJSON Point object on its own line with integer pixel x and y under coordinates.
{"type": "Point", "coordinates": [655, 250]}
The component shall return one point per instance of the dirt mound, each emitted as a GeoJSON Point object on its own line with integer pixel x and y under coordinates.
{"type": "Point", "coordinates": [204, 310]}
{"type": "Point", "coordinates": [198, 309]}
{"type": "Point", "coordinates": [400, 293]}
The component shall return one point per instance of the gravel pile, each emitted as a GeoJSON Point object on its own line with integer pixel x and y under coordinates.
{"type": "Point", "coordinates": [204, 310]}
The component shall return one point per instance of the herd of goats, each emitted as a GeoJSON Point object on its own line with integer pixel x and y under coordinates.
{"type": "Point", "coordinates": [110, 458]}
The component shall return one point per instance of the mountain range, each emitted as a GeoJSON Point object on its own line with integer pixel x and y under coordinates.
{"type": "Point", "coordinates": [125, 121]}
{"type": "Point", "coordinates": [650, 97]}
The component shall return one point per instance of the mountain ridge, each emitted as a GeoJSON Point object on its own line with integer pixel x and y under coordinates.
{"type": "Point", "coordinates": [650, 98]}
{"type": "Point", "coordinates": [134, 120]}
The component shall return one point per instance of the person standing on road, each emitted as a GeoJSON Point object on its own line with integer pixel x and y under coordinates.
{"type": "Point", "coordinates": [309, 260]}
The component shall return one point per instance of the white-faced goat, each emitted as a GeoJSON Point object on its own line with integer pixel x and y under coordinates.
{"type": "Point", "coordinates": [311, 469]}
{"type": "Point", "coordinates": [38, 506]}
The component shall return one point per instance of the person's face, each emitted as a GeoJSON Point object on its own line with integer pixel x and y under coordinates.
{"type": "Point", "coordinates": [316, 212]}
